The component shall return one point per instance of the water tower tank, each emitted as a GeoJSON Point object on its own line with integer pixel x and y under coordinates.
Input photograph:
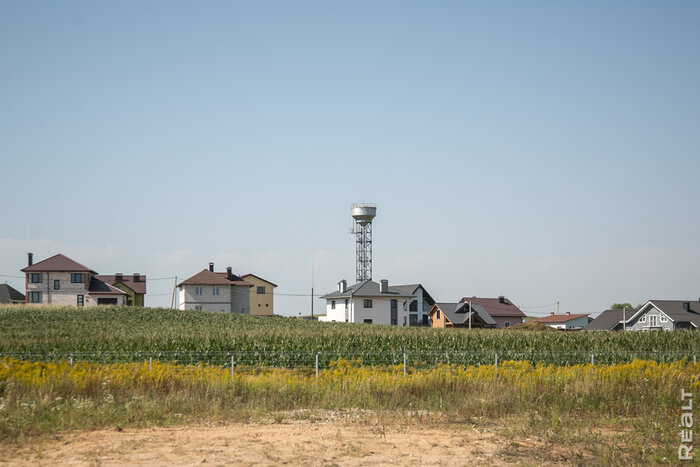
{"type": "Point", "coordinates": [363, 213]}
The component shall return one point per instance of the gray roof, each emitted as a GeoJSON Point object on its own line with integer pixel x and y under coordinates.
{"type": "Point", "coordinates": [370, 289]}
{"type": "Point", "coordinates": [458, 313]}
{"type": "Point", "coordinates": [675, 310]}
{"type": "Point", "coordinates": [607, 320]}
{"type": "Point", "coordinates": [10, 295]}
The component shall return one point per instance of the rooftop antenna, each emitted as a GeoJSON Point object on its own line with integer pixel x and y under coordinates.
{"type": "Point", "coordinates": [363, 214]}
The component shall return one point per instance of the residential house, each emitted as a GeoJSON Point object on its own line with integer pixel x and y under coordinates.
{"type": "Point", "coordinates": [459, 315]}
{"type": "Point", "coordinates": [565, 321]}
{"type": "Point", "coordinates": [262, 296]}
{"type": "Point", "coordinates": [378, 303]}
{"type": "Point", "coordinates": [501, 309]}
{"type": "Point", "coordinates": [134, 286]}
{"type": "Point", "coordinates": [654, 315]}
{"type": "Point", "coordinates": [215, 291]}
{"type": "Point", "coordinates": [9, 294]}
{"type": "Point", "coordinates": [59, 280]}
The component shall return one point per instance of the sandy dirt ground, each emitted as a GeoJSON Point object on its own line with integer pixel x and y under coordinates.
{"type": "Point", "coordinates": [293, 442]}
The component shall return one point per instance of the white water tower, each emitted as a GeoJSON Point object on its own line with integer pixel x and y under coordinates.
{"type": "Point", "coordinates": [362, 229]}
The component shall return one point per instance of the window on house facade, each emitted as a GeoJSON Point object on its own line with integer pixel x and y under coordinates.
{"type": "Point", "coordinates": [413, 306]}
{"type": "Point", "coordinates": [198, 307]}
{"type": "Point", "coordinates": [663, 319]}
{"type": "Point", "coordinates": [35, 278]}
{"type": "Point", "coordinates": [57, 285]}
{"type": "Point", "coordinates": [215, 290]}
{"type": "Point", "coordinates": [413, 320]}
{"type": "Point", "coordinates": [437, 314]}
{"type": "Point", "coordinates": [506, 324]}
{"type": "Point", "coordinates": [346, 303]}
{"type": "Point", "coordinates": [332, 304]}
{"type": "Point", "coordinates": [81, 300]}
{"type": "Point", "coordinates": [643, 319]}
{"type": "Point", "coordinates": [394, 304]}
{"type": "Point", "coordinates": [76, 278]}
{"type": "Point", "coordinates": [367, 303]}
{"type": "Point", "coordinates": [34, 297]}
{"type": "Point", "coordinates": [393, 322]}
{"type": "Point", "coordinates": [367, 321]}
{"type": "Point", "coordinates": [652, 321]}
{"type": "Point", "coordinates": [261, 290]}
{"type": "Point", "coordinates": [198, 290]}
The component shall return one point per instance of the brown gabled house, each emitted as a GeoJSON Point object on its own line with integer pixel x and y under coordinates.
{"type": "Point", "coordinates": [459, 315]}
{"type": "Point", "coordinates": [502, 310]}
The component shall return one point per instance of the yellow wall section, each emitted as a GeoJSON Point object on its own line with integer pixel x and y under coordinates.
{"type": "Point", "coordinates": [260, 304]}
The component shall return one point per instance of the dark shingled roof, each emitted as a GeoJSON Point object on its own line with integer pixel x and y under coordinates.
{"type": "Point", "coordinates": [10, 295]}
{"type": "Point", "coordinates": [458, 313]}
{"type": "Point", "coordinates": [98, 287]}
{"type": "Point", "coordinates": [675, 310]}
{"type": "Point", "coordinates": [494, 307]}
{"type": "Point", "coordinates": [206, 277]}
{"type": "Point", "coordinates": [58, 263]}
{"type": "Point", "coordinates": [138, 287]}
{"type": "Point", "coordinates": [370, 289]}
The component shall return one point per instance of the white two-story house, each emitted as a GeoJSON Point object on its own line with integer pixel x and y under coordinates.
{"type": "Point", "coordinates": [215, 291]}
{"type": "Point", "coordinates": [378, 303]}
{"type": "Point", "coordinates": [59, 280]}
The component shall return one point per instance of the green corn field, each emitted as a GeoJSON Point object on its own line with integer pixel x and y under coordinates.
{"type": "Point", "coordinates": [132, 333]}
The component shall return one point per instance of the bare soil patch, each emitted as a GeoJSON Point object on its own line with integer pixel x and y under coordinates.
{"type": "Point", "coordinates": [331, 440]}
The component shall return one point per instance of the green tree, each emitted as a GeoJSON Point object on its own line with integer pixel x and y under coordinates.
{"type": "Point", "coordinates": [620, 306]}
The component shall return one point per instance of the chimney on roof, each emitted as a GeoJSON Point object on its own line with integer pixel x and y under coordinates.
{"type": "Point", "coordinates": [229, 274]}
{"type": "Point", "coordinates": [383, 286]}
{"type": "Point", "coordinates": [211, 267]}
{"type": "Point", "coordinates": [551, 313]}
{"type": "Point", "coordinates": [118, 277]}
{"type": "Point", "coordinates": [137, 277]}
{"type": "Point", "coordinates": [342, 286]}
{"type": "Point", "coordinates": [30, 259]}
{"type": "Point", "coordinates": [501, 299]}
{"type": "Point", "coordinates": [686, 306]}
{"type": "Point", "coordinates": [568, 312]}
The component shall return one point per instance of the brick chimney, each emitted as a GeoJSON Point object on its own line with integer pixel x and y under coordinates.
{"type": "Point", "coordinates": [501, 299]}
{"type": "Point", "coordinates": [137, 277]}
{"type": "Point", "coordinates": [229, 274]}
{"type": "Point", "coordinates": [211, 267]}
{"type": "Point", "coordinates": [118, 277]}
{"type": "Point", "coordinates": [30, 259]}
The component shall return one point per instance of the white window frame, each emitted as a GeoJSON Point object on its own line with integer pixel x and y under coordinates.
{"type": "Point", "coordinates": [663, 318]}
{"type": "Point", "coordinates": [653, 321]}
{"type": "Point", "coordinates": [215, 290]}
{"type": "Point", "coordinates": [643, 319]}
{"type": "Point", "coordinates": [198, 290]}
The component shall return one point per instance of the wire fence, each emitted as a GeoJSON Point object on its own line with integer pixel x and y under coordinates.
{"type": "Point", "coordinates": [323, 359]}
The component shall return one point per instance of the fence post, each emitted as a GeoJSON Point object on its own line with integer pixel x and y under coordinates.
{"type": "Point", "coordinates": [150, 363]}
{"type": "Point", "coordinates": [404, 363]}
{"type": "Point", "coordinates": [71, 361]}
{"type": "Point", "coordinates": [592, 360]}
{"type": "Point", "coordinates": [495, 364]}
{"type": "Point", "coordinates": [694, 359]}
{"type": "Point", "coordinates": [233, 366]}
{"type": "Point", "coordinates": [317, 368]}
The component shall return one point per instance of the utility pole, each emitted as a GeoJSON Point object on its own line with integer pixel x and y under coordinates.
{"type": "Point", "coordinates": [313, 256]}
{"type": "Point", "coordinates": [172, 301]}
{"type": "Point", "coordinates": [557, 306]}
{"type": "Point", "coordinates": [470, 314]}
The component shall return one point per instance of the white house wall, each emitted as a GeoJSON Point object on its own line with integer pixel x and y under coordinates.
{"type": "Point", "coordinates": [230, 299]}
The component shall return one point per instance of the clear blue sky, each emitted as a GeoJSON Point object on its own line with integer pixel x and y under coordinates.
{"type": "Point", "coordinates": [546, 151]}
